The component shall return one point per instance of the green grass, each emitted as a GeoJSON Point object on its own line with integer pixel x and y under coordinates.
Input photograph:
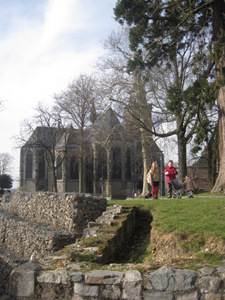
{"type": "Point", "coordinates": [201, 215]}
{"type": "Point", "coordinates": [193, 221]}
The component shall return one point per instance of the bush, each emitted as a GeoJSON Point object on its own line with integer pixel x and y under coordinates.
{"type": "Point", "coordinates": [5, 182]}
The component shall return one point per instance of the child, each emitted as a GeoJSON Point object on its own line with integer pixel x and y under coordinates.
{"type": "Point", "coordinates": [189, 185]}
{"type": "Point", "coordinates": [153, 179]}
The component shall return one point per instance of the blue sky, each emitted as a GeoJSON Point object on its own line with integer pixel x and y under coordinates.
{"type": "Point", "coordinates": [44, 44]}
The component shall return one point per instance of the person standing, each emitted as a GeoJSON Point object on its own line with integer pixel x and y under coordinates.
{"type": "Point", "coordinates": [153, 179]}
{"type": "Point", "coordinates": [170, 173]}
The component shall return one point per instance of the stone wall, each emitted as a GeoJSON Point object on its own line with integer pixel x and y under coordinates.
{"type": "Point", "coordinates": [31, 238]}
{"type": "Point", "coordinates": [37, 224]}
{"type": "Point", "coordinates": [110, 232]}
{"type": "Point", "coordinates": [69, 212]}
{"type": "Point", "coordinates": [8, 261]}
{"type": "Point", "coordinates": [103, 241]}
{"type": "Point", "coordinates": [165, 283]}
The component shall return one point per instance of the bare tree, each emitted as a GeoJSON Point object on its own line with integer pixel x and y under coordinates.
{"type": "Point", "coordinates": [45, 131]}
{"type": "Point", "coordinates": [79, 106]}
{"type": "Point", "coordinates": [127, 93]}
{"type": "Point", "coordinates": [5, 163]}
{"type": "Point", "coordinates": [167, 89]}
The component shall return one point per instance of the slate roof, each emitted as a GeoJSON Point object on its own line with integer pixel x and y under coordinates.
{"type": "Point", "coordinates": [68, 139]}
{"type": "Point", "coordinates": [44, 136]}
{"type": "Point", "coordinates": [106, 124]}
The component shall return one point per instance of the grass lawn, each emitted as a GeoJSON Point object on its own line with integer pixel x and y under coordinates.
{"type": "Point", "coordinates": [200, 217]}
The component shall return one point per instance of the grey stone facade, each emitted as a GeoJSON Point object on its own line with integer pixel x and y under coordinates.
{"type": "Point", "coordinates": [111, 160]}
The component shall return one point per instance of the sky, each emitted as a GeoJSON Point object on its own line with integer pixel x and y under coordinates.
{"type": "Point", "coordinates": [44, 45]}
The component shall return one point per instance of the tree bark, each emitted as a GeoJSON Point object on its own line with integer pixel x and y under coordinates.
{"type": "Point", "coordinates": [218, 20]}
{"type": "Point", "coordinates": [145, 162]}
{"type": "Point", "coordinates": [54, 183]}
{"type": "Point", "coordinates": [182, 156]}
{"type": "Point", "coordinates": [220, 181]}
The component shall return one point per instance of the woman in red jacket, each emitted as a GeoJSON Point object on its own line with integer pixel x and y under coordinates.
{"type": "Point", "coordinates": [170, 173]}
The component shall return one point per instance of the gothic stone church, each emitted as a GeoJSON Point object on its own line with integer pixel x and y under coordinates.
{"type": "Point", "coordinates": [111, 160]}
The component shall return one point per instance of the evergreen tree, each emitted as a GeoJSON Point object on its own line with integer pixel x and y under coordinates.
{"type": "Point", "coordinates": [163, 27]}
{"type": "Point", "coordinates": [5, 182]}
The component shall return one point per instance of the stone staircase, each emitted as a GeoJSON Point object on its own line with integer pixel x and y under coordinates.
{"type": "Point", "coordinates": [102, 240]}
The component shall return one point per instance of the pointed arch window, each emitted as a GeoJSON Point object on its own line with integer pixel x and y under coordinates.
{"type": "Point", "coordinates": [29, 165]}
{"type": "Point", "coordinates": [102, 163]}
{"type": "Point", "coordinates": [59, 169]}
{"type": "Point", "coordinates": [41, 165]}
{"type": "Point", "coordinates": [74, 169]}
{"type": "Point", "coordinates": [116, 171]}
{"type": "Point", "coordinates": [128, 164]}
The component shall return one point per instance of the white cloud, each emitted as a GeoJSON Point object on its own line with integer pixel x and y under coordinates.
{"type": "Point", "coordinates": [44, 45]}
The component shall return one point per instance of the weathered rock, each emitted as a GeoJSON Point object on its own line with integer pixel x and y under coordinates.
{"type": "Point", "coordinates": [103, 277]}
{"type": "Point", "coordinates": [8, 262]}
{"type": "Point", "coordinates": [210, 284]}
{"type": "Point", "coordinates": [23, 279]}
{"type": "Point", "coordinates": [112, 292]}
{"type": "Point", "coordinates": [55, 277]}
{"type": "Point", "coordinates": [76, 277]}
{"type": "Point", "coordinates": [221, 271]}
{"type": "Point", "coordinates": [189, 296]}
{"type": "Point", "coordinates": [173, 280]}
{"type": "Point", "coordinates": [132, 285]}
{"type": "Point", "coordinates": [153, 295]}
{"type": "Point", "coordinates": [83, 290]}
{"type": "Point", "coordinates": [213, 297]}
{"type": "Point", "coordinates": [207, 271]}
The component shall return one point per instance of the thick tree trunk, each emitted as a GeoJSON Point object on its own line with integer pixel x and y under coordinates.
{"type": "Point", "coordinates": [212, 158]}
{"type": "Point", "coordinates": [220, 181]}
{"type": "Point", "coordinates": [182, 156]}
{"type": "Point", "coordinates": [145, 162]}
{"type": "Point", "coordinates": [145, 118]}
{"type": "Point", "coordinates": [54, 181]}
{"type": "Point", "coordinates": [218, 20]}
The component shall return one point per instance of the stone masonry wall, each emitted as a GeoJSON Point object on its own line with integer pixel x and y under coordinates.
{"type": "Point", "coordinates": [69, 212]}
{"type": "Point", "coordinates": [72, 282]}
{"type": "Point", "coordinates": [162, 284]}
{"type": "Point", "coordinates": [30, 238]}
{"type": "Point", "coordinates": [37, 224]}
{"type": "Point", "coordinates": [8, 261]}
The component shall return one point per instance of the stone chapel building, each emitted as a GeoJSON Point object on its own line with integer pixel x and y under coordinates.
{"type": "Point", "coordinates": [111, 160]}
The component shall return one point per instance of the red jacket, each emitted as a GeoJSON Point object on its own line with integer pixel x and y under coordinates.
{"type": "Point", "coordinates": [172, 173]}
